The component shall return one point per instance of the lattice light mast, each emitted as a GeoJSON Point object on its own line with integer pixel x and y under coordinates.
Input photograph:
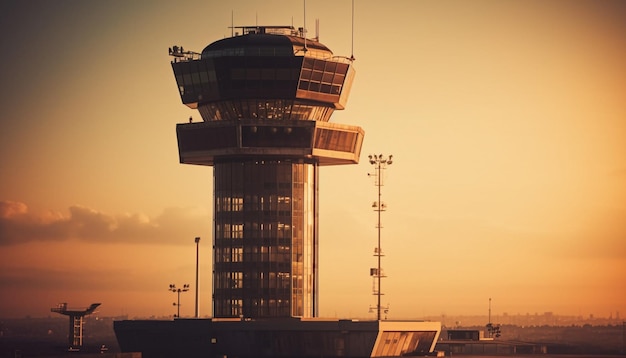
{"type": "Point", "coordinates": [380, 163]}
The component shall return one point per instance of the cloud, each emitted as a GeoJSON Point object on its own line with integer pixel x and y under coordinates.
{"type": "Point", "coordinates": [19, 225]}
{"type": "Point", "coordinates": [12, 208]}
{"type": "Point", "coordinates": [68, 279]}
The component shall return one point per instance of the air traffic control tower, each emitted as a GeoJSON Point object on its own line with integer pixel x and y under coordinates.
{"type": "Point", "coordinates": [266, 97]}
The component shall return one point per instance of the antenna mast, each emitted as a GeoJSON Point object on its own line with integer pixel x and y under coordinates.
{"type": "Point", "coordinates": [317, 29]}
{"type": "Point", "coordinates": [352, 49]}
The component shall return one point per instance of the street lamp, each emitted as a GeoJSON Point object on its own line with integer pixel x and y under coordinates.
{"type": "Point", "coordinates": [178, 291]}
{"type": "Point", "coordinates": [197, 284]}
{"type": "Point", "coordinates": [380, 163]}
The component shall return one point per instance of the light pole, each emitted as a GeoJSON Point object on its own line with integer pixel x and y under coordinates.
{"type": "Point", "coordinates": [178, 291]}
{"type": "Point", "coordinates": [197, 287]}
{"type": "Point", "coordinates": [380, 163]}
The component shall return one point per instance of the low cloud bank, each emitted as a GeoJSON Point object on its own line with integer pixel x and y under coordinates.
{"type": "Point", "coordinates": [19, 225]}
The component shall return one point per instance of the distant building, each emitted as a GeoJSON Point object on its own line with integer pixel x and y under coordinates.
{"type": "Point", "coordinates": [474, 342]}
{"type": "Point", "coordinates": [465, 334]}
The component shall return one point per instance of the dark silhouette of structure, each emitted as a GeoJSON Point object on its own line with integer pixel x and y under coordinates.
{"type": "Point", "coordinates": [380, 163]}
{"type": "Point", "coordinates": [178, 291]}
{"type": "Point", "coordinates": [75, 333]}
{"type": "Point", "coordinates": [266, 97]}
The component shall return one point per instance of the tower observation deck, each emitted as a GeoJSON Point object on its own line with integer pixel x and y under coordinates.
{"type": "Point", "coordinates": [265, 97]}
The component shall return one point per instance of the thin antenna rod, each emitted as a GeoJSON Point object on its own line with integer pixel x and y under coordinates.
{"type": "Point", "coordinates": [352, 49]}
{"type": "Point", "coordinates": [304, 25]}
{"type": "Point", "coordinates": [317, 29]}
{"type": "Point", "coordinates": [232, 23]}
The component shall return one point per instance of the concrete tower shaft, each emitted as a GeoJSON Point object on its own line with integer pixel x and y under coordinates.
{"type": "Point", "coordinates": [265, 98]}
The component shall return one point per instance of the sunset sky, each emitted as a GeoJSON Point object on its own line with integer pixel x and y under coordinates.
{"type": "Point", "coordinates": [506, 120]}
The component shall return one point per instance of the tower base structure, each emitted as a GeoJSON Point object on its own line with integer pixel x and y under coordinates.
{"type": "Point", "coordinates": [291, 337]}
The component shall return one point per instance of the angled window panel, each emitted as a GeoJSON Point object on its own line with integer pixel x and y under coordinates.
{"type": "Point", "coordinates": [330, 139]}
{"type": "Point", "coordinates": [327, 77]}
{"type": "Point", "coordinates": [319, 65]}
{"type": "Point", "coordinates": [316, 76]}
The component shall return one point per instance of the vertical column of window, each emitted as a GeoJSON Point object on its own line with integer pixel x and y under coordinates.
{"type": "Point", "coordinates": [189, 90]}
{"type": "Point", "coordinates": [178, 74]}
{"type": "Point", "coordinates": [283, 244]}
{"type": "Point", "coordinates": [190, 93]}
{"type": "Point", "coordinates": [221, 296]}
{"type": "Point", "coordinates": [307, 203]}
{"type": "Point", "coordinates": [236, 307]}
{"type": "Point", "coordinates": [223, 79]}
{"type": "Point", "coordinates": [286, 109]}
{"type": "Point", "coordinates": [339, 78]}
{"type": "Point", "coordinates": [268, 77]}
{"type": "Point", "coordinates": [236, 109]}
{"type": "Point", "coordinates": [207, 79]}
{"type": "Point", "coordinates": [327, 77]}
{"type": "Point", "coordinates": [226, 184]}
{"type": "Point", "coordinates": [237, 78]}
{"type": "Point", "coordinates": [269, 177]}
{"type": "Point", "coordinates": [296, 112]}
{"type": "Point", "coordinates": [286, 244]}
{"type": "Point", "coordinates": [249, 255]}
{"type": "Point", "coordinates": [220, 282]}
{"type": "Point", "coordinates": [253, 76]}
{"type": "Point", "coordinates": [315, 239]}
{"type": "Point", "coordinates": [309, 238]}
{"type": "Point", "coordinates": [195, 68]}
{"type": "Point", "coordinates": [316, 76]}
{"type": "Point", "coordinates": [223, 110]}
{"type": "Point", "coordinates": [256, 177]}
{"type": "Point", "coordinates": [272, 109]}
{"type": "Point", "coordinates": [320, 113]}
{"type": "Point", "coordinates": [218, 285]}
{"type": "Point", "coordinates": [260, 175]}
{"type": "Point", "coordinates": [261, 109]}
{"type": "Point", "coordinates": [285, 76]}
{"type": "Point", "coordinates": [217, 111]}
{"type": "Point", "coordinates": [237, 266]}
{"type": "Point", "coordinates": [305, 73]}
{"type": "Point", "coordinates": [296, 247]}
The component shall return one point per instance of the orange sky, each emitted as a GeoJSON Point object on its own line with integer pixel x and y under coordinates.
{"type": "Point", "coordinates": [507, 122]}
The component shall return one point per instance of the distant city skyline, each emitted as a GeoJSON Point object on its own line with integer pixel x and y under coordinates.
{"type": "Point", "coordinates": [505, 120]}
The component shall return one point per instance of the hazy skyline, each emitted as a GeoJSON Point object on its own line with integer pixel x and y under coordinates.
{"type": "Point", "coordinates": [506, 120]}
